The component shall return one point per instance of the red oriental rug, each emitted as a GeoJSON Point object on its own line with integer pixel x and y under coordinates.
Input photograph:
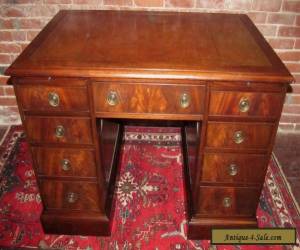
{"type": "Point", "coordinates": [149, 198]}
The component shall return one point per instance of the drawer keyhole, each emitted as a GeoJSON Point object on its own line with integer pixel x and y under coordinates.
{"type": "Point", "coordinates": [72, 197]}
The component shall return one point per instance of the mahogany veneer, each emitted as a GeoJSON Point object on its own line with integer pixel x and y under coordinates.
{"type": "Point", "coordinates": [90, 72]}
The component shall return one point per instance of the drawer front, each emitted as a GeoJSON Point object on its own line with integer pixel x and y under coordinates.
{"type": "Point", "coordinates": [234, 168]}
{"type": "Point", "coordinates": [249, 104]}
{"type": "Point", "coordinates": [70, 195]}
{"type": "Point", "coordinates": [59, 129]}
{"type": "Point", "coordinates": [65, 162]}
{"type": "Point", "coordinates": [52, 98]}
{"type": "Point", "coordinates": [227, 201]}
{"type": "Point", "coordinates": [149, 98]}
{"type": "Point", "coordinates": [239, 135]}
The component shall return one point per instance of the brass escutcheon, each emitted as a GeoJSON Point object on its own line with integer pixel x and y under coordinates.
{"type": "Point", "coordinates": [244, 105]}
{"type": "Point", "coordinates": [59, 131]}
{"type": "Point", "coordinates": [72, 197]}
{"type": "Point", "coordinates": [112, 98]}
{"type": "Point", "coordinates": [227, 202]}
{"type": "Point", "coordinates": [65, 164]}
{"type": "Point", "coordinates": [232, 169]}
{"type": "Point", "coordinates": [238, 137]}
{"type": "Point", "coordinates": [185, 100]}
{"type": "Point", "coordinates": [53, 99]}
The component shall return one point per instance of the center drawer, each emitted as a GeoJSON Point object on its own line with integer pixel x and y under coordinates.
{"type": "Point", "coordinates": [117, 98]}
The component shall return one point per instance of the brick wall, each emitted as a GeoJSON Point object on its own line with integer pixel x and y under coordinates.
{"type": "Point", "coordinates": [278, 20]}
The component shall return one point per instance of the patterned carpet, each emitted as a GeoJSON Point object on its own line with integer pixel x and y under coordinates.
{"type": "Point", "coordinates": [149, 198]}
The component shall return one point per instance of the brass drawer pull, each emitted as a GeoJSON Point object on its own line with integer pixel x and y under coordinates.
{"type": "Point", "coordinates": [53, 99]}
{"type": "Point", "coordinates": [72, 197]}
{"type": "Point", "coordinates": [59, 131]}
{"type": "Point", "coordinates": [112, 98]}
{"type": "Point", "coordinates": [244, 105]}
{"type": "Point", "coordinates": [185, 100]}
{"type": "Point", "coordinates": [227, 202]}
{"type": "Point", "coordinates": [232, 169]}
{"type": "Point", "coordinates": [238, 137]}
{"type": "Point", "coordinates": [65, 164]}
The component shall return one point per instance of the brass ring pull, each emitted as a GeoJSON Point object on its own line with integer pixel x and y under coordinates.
{"type": "Point", "coordinates": [112, 98]}
{"type": "Point", "coordinates": [244, 105]}
{"type": "Point", "coordinates": [65, 164]}
{"type": "Point", "coordinates": [232, 169]}
{"type": "Point", "coordinates": [53, 99]}
{"type": "Point", "coordinates": [238, 137]}
{"type": "Point", "coordinates": [227, 202]}
{"type": "Point", "coordinates": [72, 197]}
{"type": "Point", "coordinates": [185, 100]}
{"type": "Point", "coordinates": [59, 131]}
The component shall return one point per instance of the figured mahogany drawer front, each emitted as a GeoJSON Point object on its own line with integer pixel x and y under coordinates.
{"type": "Point", "coordinates": [227, 201]}
{"type": "Point", "coordinates": [252, 104]}
{"type": "Point", "coordinates": [69, 195]}
{"type": "Point", "coordinates": [239, 135]}
{"type": "Point", "coordinates": [148, 98]}
{"type": "Point", "coordinates": [52, 98]}
{"type": "Point", "coordinates": [59, 129]}
{"type": "Point", "coordinates": [234, 168]}
{"type": "Point", "coordinates": [65, 161]}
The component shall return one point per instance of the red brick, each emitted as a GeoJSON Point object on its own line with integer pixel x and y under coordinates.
{"type": "Point", "coordinates": [9, 91]}
{"type": "Point", "coordinates": [180, 3]}
{"type": "Point", "coordinates": [118, 2]}
{"type": "Point", "coordinates": [258, 17]}
{"type": "Point", "coordinates": [289, 55]}
{"type": "Point", "coordinates": [267, 30]}
{"type": "Point", "coordinates": [13, 12]}
{"type": "Point", "coordinates": [296, 88]}
{"type": "Point", "coordinates": [298, 20]}
{"type": "Point", "coordinates": [289, 31]}
{"type": "Point", "coordinates": [5, 59]}
{"type": "Point", "coordinates": [297, 78]}
{"type": "Point", "coordinates": [281, 43]}
{"type": "Point", "coordinates": [31, 35]}
{"type": "Point", "coordinates": [149, 3]}
{"type": "Point", "coordinates": [12, 36]}
{"type": "Point", "coordinates": [294, 99]}
{"type": "Point", "coordinates": [32, 23]}
{"type": "Point", "coordinates": [239, 4]}
{"type": "Point", "coordinates": [58, 1]}
{"type": "Point", "coordinates": [39, 10]}
{"type": "Point", "coordinates": [281, 18]}
{"type": "Point", "coordinates": [291, 109]}
{"type": "Point", "coordinates": [267, 5]}
{"type": "Point", "coordinates": [10, 48]}
{"type": "Point", "coordinates": [6, 24]}
{"type": "Point", "coordinates": [93, 2]}
{"type": "Point", "coordinates": [3, 79]}
{"type": "Point", "coordinates": [292, 6]}
{"type": "Point", "coordinates": [213, 4]}
{"type": "Point", "coordinates": [293, 67]}
{"type": "Point", "coordinates": [286, 126]}
{"type": "Point", "coordinates": [290, 118]}
{"type": "Point", "coordinates": [297, 44]}
{"type": "Point", "coordinates": [2, 92]}
{"type": "Point", "coordinates": [8, 101]}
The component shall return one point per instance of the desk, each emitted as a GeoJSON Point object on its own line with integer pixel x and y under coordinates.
{"type": "Point", "coordinates": [90, 72]}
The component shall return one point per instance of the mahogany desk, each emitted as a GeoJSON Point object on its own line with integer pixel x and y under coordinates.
{"type": "Point", "coordinates": [89, 72]}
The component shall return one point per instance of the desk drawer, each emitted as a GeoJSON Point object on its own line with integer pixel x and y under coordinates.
{"type": "Point", "coordinates": [59, 129]}
{"type": "Point", "coordinates": [52, 98]}
{"type": "Point", "coordinates": [245, 104]}
{"type": "Point", "coordinates": [70, 195]}
{"type": "Point", "coordinates": [227, 201]}
{"type": "Point", "coordinates": [65, 161]}
{"type": "Point", "coordinates": [148, 98]}
{"type": "Point", "coordinates": [234, 168]}
{"type": "Point", "coordinates": [239, 135]}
